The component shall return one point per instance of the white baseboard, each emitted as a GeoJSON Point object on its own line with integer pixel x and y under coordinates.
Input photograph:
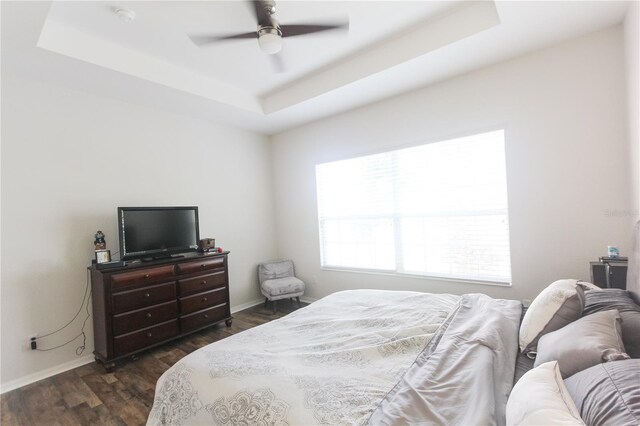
{"type": "Point", "coordinates": [308, 299]}
{"type": "Point", "coordinates": [257, 302]}
{"type": "Point", "coordinates": [247, 305]}
{"type": "Point", "coordinates": [44, 374]}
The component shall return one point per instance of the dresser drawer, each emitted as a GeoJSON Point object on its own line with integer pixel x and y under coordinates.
{"type": "Point", "coordinates": [203, 300]}
{"type": "Point", "coordinates": [202, 283]}
{"type": "Point", "coordinates": [141, 276]}
{"type": "Point", "coordinates": [202, 318]}
{"type": "Point", "coordinates": [200, 265]}
{"type": "Point", "coordinates": [131, 342]}
{"type": "Point", "coordinates": [147, 296]}
{"type": "Point", "coordinates": [145, 317]}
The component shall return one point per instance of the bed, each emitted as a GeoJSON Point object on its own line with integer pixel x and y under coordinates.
{"type": "Point", "coordinates": [354, 357]}
{"type": "Point", "coordinates": [396, 357]}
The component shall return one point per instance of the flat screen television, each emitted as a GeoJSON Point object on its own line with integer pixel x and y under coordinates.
{"type": "Point", "coordinates": [157, 232]}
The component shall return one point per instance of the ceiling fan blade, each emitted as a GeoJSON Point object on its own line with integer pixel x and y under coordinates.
{"type": "Point", "coordinates": [277, 63]}
{"type": "Point", "coordinates": [207, 39]}
{"type": "Point", "coordinates": [301, 29]}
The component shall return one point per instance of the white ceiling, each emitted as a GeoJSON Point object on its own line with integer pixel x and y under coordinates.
{"type": "Point", "coordinates": [391, 47]}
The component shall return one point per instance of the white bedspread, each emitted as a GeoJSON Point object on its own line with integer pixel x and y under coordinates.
{"type": "Point", "coordinates": [333, 362]}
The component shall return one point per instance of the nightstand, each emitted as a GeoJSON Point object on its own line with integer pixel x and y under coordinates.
{"type": "Point", "coordinates": [609, 273]}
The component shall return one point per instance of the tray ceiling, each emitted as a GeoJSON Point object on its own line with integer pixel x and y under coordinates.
{"type": "Point", "coordinates": [390, 47]}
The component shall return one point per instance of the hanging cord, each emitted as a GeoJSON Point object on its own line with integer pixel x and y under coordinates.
{"type": "Point", "coordinates": [82, 347]}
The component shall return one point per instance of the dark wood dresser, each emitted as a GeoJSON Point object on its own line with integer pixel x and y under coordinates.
{"type": "Point", "coordinates": [142, 305]}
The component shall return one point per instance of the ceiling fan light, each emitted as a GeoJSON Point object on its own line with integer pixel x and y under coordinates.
{"type": "Point", "coordinates": [270, 40]}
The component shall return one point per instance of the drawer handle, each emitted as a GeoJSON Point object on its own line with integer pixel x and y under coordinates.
{"type": "Point", "coordinates": [206, 315]}
{"type": "Point", "coordinates": [148, 314]}
{"type": "Point", "coordinates": [146, 275]}
{"type": "Point", "coordinates": [149, 335]}
{"type": "Point", "coordinates": [203, 282]}
{"type": "Point", "coordinates": [204, 299]}
{"type": "Point", "coordinates": [203, 265]}
{"type": "Point", "coordinates": [147, 295]}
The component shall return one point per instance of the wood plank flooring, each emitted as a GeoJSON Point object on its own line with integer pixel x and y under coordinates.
{"type": "Point", "coordinates": [89, 396]}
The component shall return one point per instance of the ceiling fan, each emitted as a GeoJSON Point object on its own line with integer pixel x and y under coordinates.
{"type": "Point", "coordinates": [269, 32]}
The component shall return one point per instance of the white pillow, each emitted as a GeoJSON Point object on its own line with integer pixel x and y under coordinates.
{"type": "Point", "coordinates": [541, 398]}
{"type": "Point", "coordinates": [556, 306]}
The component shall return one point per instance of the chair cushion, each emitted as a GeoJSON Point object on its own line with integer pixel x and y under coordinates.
{"type": "Point", "coordinates": [282, 286]}
{"type": "Point", "coordinates": [275, 270]}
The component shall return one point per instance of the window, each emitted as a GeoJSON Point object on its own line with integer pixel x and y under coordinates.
{"type": "Point", "coordinates": [438, 209]}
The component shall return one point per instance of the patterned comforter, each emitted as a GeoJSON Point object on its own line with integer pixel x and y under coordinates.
{"type": "Point", "coordinates": [351, 358]}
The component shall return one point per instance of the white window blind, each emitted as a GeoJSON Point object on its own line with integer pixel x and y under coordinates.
{"type": "Point", "coordinates": [438, 209]}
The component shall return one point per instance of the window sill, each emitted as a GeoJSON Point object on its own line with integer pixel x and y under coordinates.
{"type": "Point", "coordinates": [416, 276]}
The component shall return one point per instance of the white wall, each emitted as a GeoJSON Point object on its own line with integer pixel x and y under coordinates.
{"type": "Point", "coordinates": [68, 160]}
{"type": "Point", "coordinates": [564, 110]}
{"type": "Point", "coordinates": [632, 50]}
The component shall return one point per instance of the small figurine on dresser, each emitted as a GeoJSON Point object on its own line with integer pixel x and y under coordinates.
{"type": "Point", "coordinates": [102, 254]}
{"type": "Point", "coordinates": [100, 243]}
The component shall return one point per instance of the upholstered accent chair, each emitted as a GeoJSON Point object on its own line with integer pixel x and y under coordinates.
{"type": "Point", "coordinates": [278, 281]}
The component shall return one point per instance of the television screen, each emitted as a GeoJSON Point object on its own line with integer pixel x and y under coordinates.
{"type": "Point", "coordinates": [157, 231]}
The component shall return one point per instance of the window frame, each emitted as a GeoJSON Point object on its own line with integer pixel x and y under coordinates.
{"type": "Point", "coordinates": [396, 218]}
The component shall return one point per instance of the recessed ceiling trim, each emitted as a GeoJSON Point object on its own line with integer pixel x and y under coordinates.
{"type": "Point", "coordinates": [64, 40]}
{"type": "Point", "coordinates": [434, 33]}
{"type": "Point", "coordinates": [524, 27]}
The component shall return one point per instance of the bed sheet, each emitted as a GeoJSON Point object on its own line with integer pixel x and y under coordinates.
{"type": "Point", "coordinates": [341, 360]}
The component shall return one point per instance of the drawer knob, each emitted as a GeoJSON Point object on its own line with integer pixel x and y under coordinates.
{"type": "Point", "coordinates": [204, 299]}
{"type": "Point", "coordinates": [149, 334]}
{"type": "Point", "coordinates": [147, 295]}
{"type": "Point", "coordinates": [206, 315]}
{"type": "Point", "coordinates": [148, 314]}
{"type": "Point", "coordinates": [146, 275]}
{"type": "Point", "coordinates": [203, 282]}
{"type": "Point", "coordinates": [203, 265]}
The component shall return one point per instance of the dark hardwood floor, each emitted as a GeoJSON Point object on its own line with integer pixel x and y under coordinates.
{"type": "Point", "coordinates": [89, 396]}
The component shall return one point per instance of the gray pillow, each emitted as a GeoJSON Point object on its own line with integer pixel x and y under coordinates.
{"type": "Point", "coordinates": [584, 343]}
{"type": "Point", "coordinates": [608, 394]}
{"type": "Point", "coordinates": [613, 298]}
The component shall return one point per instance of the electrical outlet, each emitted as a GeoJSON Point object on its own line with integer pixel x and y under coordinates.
{"type": "Point", "coordinates": [32, 341]}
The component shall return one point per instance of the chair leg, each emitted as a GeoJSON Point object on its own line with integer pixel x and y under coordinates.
{"type": "Point", "coordinates": [298, 300]}
{"type": "Point", "coordinates": [266, 299]}
{"type": "Point", "coordinates": [274, 306]}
